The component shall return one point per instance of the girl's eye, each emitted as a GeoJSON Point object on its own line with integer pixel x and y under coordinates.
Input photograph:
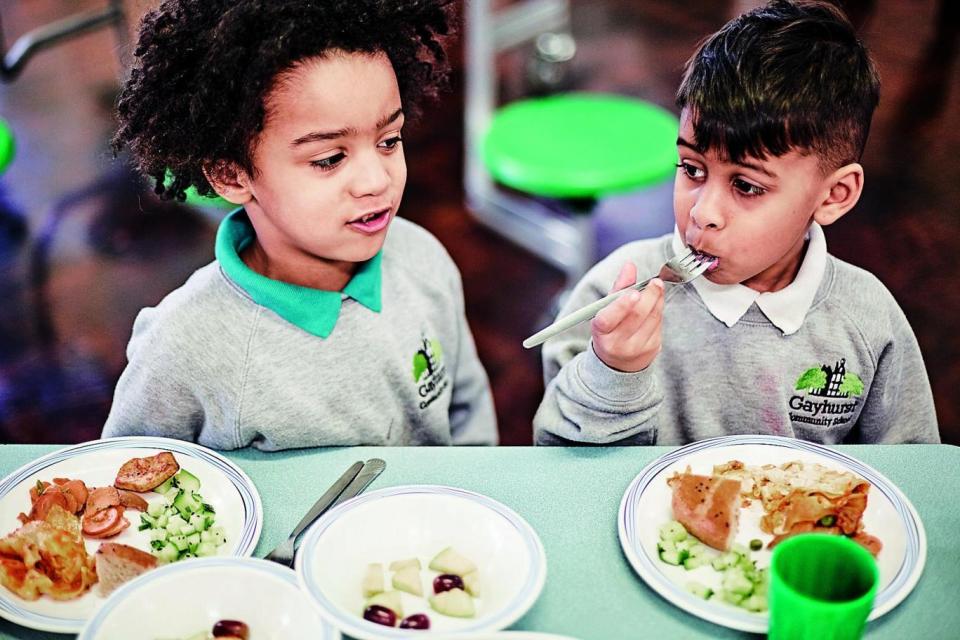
{"type": "Point", "coordinates": [328, 164]}
{"type": "Point", "coordinates": [691, 171]}
{"type": "Point", "coordinates": [747, 189]}
{"type": "Point", "coordinates": [390, 143]}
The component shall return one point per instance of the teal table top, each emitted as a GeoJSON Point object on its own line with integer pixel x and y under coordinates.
{"type": "Point", "coordinates": [571, 496]}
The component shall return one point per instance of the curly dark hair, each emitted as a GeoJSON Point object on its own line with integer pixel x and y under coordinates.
{"type": "Point", "coordinates": [196, 95]}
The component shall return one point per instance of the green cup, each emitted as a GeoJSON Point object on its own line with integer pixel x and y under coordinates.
{"type": "Point", "coordinates": [821, 587]}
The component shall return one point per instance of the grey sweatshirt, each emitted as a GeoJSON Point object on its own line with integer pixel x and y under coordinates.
{"type": "Point", "coordinates": [211, 365]}
{"type": "Point", "coordinates": [851, 373]}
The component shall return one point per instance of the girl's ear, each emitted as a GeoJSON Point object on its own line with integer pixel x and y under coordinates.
{"type": "Point", "coordinates": [845, 186]}
{"type": "Point", "coordinates": [229, 181]}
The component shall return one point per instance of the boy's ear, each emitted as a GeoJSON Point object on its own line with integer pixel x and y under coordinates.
{"type": "Point", "coordinates": [229, 181]}
{"type": "Point", "coordinates": [846, 185]}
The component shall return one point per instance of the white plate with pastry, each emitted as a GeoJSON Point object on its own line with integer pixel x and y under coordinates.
{"type": "Point", "coordinates": [781, 486]}
{"type": "Point", "coordinates": [98, 509]}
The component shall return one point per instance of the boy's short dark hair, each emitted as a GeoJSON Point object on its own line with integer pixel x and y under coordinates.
{"type": "Point", "coordinates": [788, 75]}
{"type": "Point", "coordinates": [195, 96]}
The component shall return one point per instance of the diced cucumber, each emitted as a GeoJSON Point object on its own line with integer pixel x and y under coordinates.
{"type": "Point", "coordinates": [187, 503]}
{"type": "Point", "coordinates": [699, 590]}
{"type": "Point", "coordinates": [735, 581]}
{"type": "Point", "coordinates": [205, 549]}
{"type": "Point", "coordinates": [180, 542]}
{"type": "Point", "coordinates": [754, 603]}
{"type": "Point", "coordinates": [198, 521]}
{"type": "Point", "coordinates": [166, 485]}
{"type": "Point", "coordinates": [674, 531]}
{"type": "Point", "coordinates": [219, 535]}
{"type": "Point", "coordinates": [167, 552]}
{"type": "Point", "coordinates": [693, 561]}
{"type": "Point", "coordinates": [675, 557]}
{"type": "Point", "coordinates": [187, 481]}
{"type": "Point", "coordinates": [154, 509]}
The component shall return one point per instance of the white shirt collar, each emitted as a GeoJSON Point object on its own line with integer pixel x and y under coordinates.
{"type": "Point", "coordinates": [786, 308]}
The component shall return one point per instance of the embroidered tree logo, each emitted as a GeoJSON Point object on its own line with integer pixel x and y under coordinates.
{"type": "Point", "coordinates": [427, 359]}
{"type": "Point", "coordinates": [829, 381]}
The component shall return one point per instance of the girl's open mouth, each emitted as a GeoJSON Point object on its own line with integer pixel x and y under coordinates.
{"type": "Point", "coordinates": [371, 222]}
{"type": "Point", "coordinates": [703, 256]}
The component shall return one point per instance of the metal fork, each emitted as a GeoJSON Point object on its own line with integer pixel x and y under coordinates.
{"type": "Point", "coordinates": [679, 269]}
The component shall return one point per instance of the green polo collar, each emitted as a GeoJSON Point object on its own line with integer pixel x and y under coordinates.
{"type": "Point", "coordinates": [313, 310]}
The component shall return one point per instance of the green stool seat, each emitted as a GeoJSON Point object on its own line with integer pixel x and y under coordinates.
{"type": "Point", "coordinates": [8, 147]}
{"type": "Point", "coordinates": [194, 199]}
{"type": "Point", "coordinates": [581, 145]}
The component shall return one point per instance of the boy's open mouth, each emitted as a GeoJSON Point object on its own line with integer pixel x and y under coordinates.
{"type": "Point", "coordinates": [703, 256]}
{"type": "Point", "coordinates": [371, 222]}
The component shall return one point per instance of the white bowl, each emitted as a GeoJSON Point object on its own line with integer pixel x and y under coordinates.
{"type": "Point", "coordinates": [420, 521]}
{"type": "Point", "coordinates": [185, 598]}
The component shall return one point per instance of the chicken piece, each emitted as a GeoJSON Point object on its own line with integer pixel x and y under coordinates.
{"type": "Point", "coordinates": [132, 500]}
{"type": "Point", "coordinates": [105, 523]}
{"type": "Point", "coordinates": [75, 488]}
{"type": "Point", "coordinates": [143, 474]}
{"type": "Point", "coordinates": [39, 559]}
{"type": "Point", "coordinates": [43, 503]}
{"type": "Point", "coordinates": [101, 498]}
{"type": "Point", "coordinates": [708, 506]}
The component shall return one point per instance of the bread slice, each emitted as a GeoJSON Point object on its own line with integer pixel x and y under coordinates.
{"type": "Point", "coordinates": [118, 563]}
{"type": "Point", "coordinates": [708, 506]}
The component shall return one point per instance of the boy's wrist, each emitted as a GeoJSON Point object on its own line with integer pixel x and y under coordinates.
{"type": "Point", "coordinates": [609, 383]}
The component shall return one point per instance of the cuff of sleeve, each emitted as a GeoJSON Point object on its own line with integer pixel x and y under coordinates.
{"type": "Point", "coordinates": [610, 384]}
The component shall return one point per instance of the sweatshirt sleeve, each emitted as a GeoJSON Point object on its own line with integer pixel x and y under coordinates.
{"type": "Point", "coordinates": [585, 400]}
{"type": "Point", "coordinates": [473, 420]}
{"type": "Point", "coordinates": [151, 397]}
{"type": "Point", "coordinates": [899, 405]}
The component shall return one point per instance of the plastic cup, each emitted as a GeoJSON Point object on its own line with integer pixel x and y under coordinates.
{"type": "Point", "coordinates": [821, 587]}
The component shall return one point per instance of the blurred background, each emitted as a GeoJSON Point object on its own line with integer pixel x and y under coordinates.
{"type": "Point", "coordinates": [84, 246]}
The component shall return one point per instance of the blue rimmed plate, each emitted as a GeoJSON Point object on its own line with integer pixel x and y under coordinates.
{"type": "Point", "coordinates": [183, 599]}
{"type": "Point", "coordinates": [646, 506]}
{"type": "Point", "coordinates": [420, 521]}
{"type": "Point", "coordinates": [222, 484]}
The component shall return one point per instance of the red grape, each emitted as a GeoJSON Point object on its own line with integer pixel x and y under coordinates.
{"type": "Point", "coordinates": [380, 615]}
{"type": "Point", "coordinates": [231, 629]}
{"type": "Point", "coordinates": [447, 581]}
{"type": "Point", "coordinates": [416, 621]}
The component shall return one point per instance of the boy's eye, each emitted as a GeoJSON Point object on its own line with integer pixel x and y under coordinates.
{"type": "Point", "coordinates": [327, 164]}
{"type": "Point", "coordinates": [390, 143]}
{"type": "Point", "coordinates": [747, 189]}
{"type": "Point", "coordinates": [691, 171]}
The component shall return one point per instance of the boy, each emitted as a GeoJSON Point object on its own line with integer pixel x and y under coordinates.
{"type": "Point", "coordinates": [313, 326]}
{"type": "Point", "coordinates": [780, 338]}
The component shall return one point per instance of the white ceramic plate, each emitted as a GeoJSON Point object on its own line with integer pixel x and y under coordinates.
{"type": "Point", "coordinates": [222, 485]}
{"type": "Point", "coordinates": [186, 598]}
{"type": "Point", "coordinates": [646, 506]}
{"type": "Point", "coordinates": [420, 521]}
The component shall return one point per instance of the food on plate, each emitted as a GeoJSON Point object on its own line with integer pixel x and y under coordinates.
{"type": "Point", "coordinates": [373, 580]}
{"type": "Point", "coordinates": [182, 525]}
{"type": "Point", "coordinates": [708, 506]}
{"type": "Point", "coordinates": [416, 621]}
{"type": "Point", "coordinates": [398, 565]}
{"type": "Point", "coordinates": [457, 575]}
{"type": "Point", "coordinates": [408, 579]}
{"type": "Point", "coordinates": [449, 561]}
{"type": "Point", "coordinates": [800, 497]}
{"type": "Point", "coordinates": [224, 630]}
{"type": "Point", "coordinates": [741, 583]}
{"type": "Point", "coordinates": [455, 602]}
{"type": "Point", "coordinates": [68, 494]}
{"type": "Point", "coordinates": [145, 474]}
{"type": "Point", "coordinates": [118, 563]}
{"type": "Point", "coordinates": [447, 581]}
{"type": "Point", "coordinates": [39, 559]}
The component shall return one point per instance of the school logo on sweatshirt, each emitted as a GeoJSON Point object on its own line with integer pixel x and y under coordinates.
{"type": "Point", "coordinates": [429, 371]}
{"type": "Point", "coordinates": [829, 395]}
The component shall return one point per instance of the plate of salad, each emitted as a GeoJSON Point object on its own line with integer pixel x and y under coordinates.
{"type": "Point", "coordinates": [109, 510]}
{"type": "Point", "coordinates": [699, 524]}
